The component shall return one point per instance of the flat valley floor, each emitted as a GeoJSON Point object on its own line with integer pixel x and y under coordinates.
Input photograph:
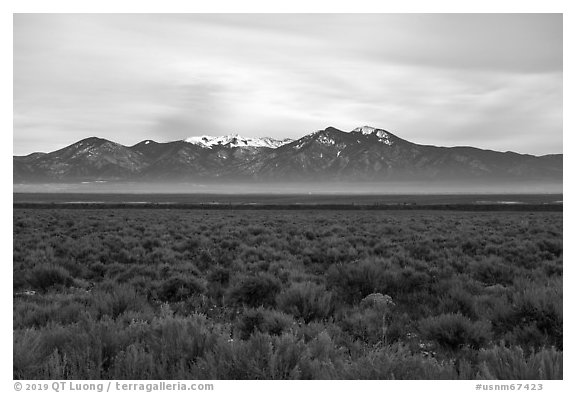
{"type": "Point", "coordinates": [274, 294]}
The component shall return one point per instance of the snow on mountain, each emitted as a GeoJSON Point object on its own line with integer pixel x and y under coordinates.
{"type": "Point", "coordinates": [383, 136]}
{"type": "Point", "coordinates": [364, 130]}
{"type": "Point", "coordinates": [204, 140]}
{"type": "Point", "coordinates": [365, 153]}
{"type": "Point", "coordinates": [274, 143]}
{"type": "Point", "coordinates": [325, 140]}
{"type": "Point", "coordinates": [235, 140]}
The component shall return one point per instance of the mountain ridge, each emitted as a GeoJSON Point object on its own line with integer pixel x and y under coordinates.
{"type": "Point", "coordinates": [364, 154]}
{"type": "Point", "coordinates": [235, 140]}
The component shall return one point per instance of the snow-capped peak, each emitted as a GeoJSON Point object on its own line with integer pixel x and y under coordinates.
{"type": "Point", "coordinates": [383, 136]}
{"type": "Point", "coordinates": [365, 130]}
{"type": "Point", "coordinates": [235, 140]}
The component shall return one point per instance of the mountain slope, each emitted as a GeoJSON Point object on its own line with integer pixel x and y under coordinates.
{"type": "Point", "coordinates": [188, 161]}
{"type": "Point", "coordinates": [87, 160]}
{"type": "Point", "coordinates": [370, 154]}
{"type": "Point", "coordinates": [363, 154]}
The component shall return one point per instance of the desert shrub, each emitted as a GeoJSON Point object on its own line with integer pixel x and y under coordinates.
{"type": "Point", "coordinates": [117, 300]}
{"type": "Point", "coordinates": [97, 270]}
{"type": "Point", "coordinates": [27, 345]}
{"type": "Point", "coordinates": [175, 342]}
{"type": "Point", "coordinates": [59, 365]}
{"type": "Point", "coordinates": [553, 267]}
{"type": "Point", "coordinates": [369, 321]}
{"type": "Point", "coordinates": [422, 250]}
{"type": "Point", "coordinates": [35, 352]}
{"type": "Point", "coordinates": [150, 243]}
{"type": "Point", "coordinates": [492, 270]}
{"type": "Point", "coordinates": [164, 347]}
{"type": "Point", "coordinates": [532, 316]}
{"type": "Point", "coordinates": [309, 331]}
{"type": "Point", "coordinates": [205, 258]}
{"type": "Point", "coordinates": [135, 362]}
{"type": "Point", "coordinates": [250, 359]}
{"type": "Point", "coordinates": [552, 246]}
{"type": "Point", "coordinates": [513, 363]}
{"type": "Point", "coordinates": [539, 305]}
{"type": "Point", "coordinates": [378, 302]}
{"type": "Point", "coordinates": [136, 272]}
{"type": "Point", "coordinates": [19, 280]}
{"type": "Point", "coordinates": [526, 335]}
{"type": "Point", "coordinates": [56, 310]}
{"type": "Point", "coordinates": [352, 282]}
{"type": "Point", "coordinates": [471, 247]}
{"type": "Point", "coordinates": [307, 301]}
{"type": "Point", "coordinates": [406, 280]}
{"type": "Point", "coordinates": [365, 325]}
{"type": "Point", "coordinates": [397, 362]}
{"type": "Point", "coordinates": [522, 253]}
{"type": "Point", "coordinates": [264, 321]}
{"type": "Point", "coordinates": [321, 358]}
{"type": "Point", "coordinates": [455, 331]}
{"type": "Point", "coordinates": [219, 276]}
{"type": "Point", "coordinates": [176, 289]}
{"type": "Point", "coordinates": [268, 357]}
{"type": "Point", "coordinates": [218, 281]}
{"type": "Point", "coordinates": [43, 277]}
{"type": "Point", "coordinates": [190, 245]}
{"type": "Point", "coordinates": [458, 300]}
{"type": "Point", "coordinates": [118, 303]}
{"type": "Point", "coordinates": [254, 291]}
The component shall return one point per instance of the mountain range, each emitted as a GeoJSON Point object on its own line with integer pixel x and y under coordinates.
{"type": "Point", "coordinates": [363, 154]}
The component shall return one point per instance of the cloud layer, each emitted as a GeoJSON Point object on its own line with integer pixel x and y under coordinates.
{"type": "Point", "coordinates": [492, 81]}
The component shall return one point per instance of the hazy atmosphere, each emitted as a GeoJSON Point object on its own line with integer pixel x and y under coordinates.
{"type": "Point", "coordinates": [490, 81]}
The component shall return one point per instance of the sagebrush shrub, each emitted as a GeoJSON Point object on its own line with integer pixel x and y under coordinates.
{"type": "Point", "coordinates": [354, 281]}
{"type": "Point", "coordinates": [458, 300]}
{"type": "Point", "coordinates": [492, 270]}
{"type": "Point", "coordinates": [177, 289]}
{"type": "Point", "coordinates": [397, 362]}
{"type": "Point", "coordinates": [264, 321]}
{"type": "Point", "coordinates": [26, 352]}
{"type": "Point", "coordinates": [43, 277]}
{"type": "Point", "coordinates": [254, 291]}
{"type": "Point", "coordinates": [539, 305]}
{"type": "Point", "coordinates": [117, 300]}
{"type": "Point", "coordinates": [306, 300]}
{"type": "Point", "coordinates": [218, 281]}
{"type": "Point", "coordinates": [455, 331]}
{"type": "Point", "coordinates": [513, 363]}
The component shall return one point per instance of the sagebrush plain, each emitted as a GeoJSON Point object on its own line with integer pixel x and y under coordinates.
{"type": "Point", "coordinates": [193, 294]}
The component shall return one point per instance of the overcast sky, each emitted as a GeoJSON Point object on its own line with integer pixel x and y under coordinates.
{"type": "Point", "coordinates": [490, 81]}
